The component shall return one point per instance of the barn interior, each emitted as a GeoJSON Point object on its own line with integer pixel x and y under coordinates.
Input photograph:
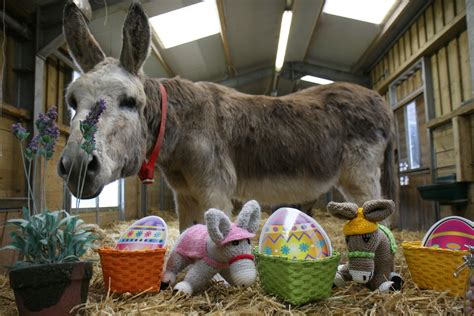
{"type": "Point", "coordinates": [419, 55]}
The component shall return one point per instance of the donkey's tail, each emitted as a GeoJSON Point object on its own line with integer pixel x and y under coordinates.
{"type": "Point", "coordinates": [389, 180]}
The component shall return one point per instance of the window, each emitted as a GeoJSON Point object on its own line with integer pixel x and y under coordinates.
{"type": "Point", "coordinates": [412, 136]}
{"type": "Point", "coordinates": [371, 11]}
{"type": "Point", "coordinates": [110, 197]}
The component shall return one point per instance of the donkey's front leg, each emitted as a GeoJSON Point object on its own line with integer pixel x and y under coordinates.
{"type": "Point", "coordinates": [189, 211]}
{"type": "Point", "coordinates": [198, 276]}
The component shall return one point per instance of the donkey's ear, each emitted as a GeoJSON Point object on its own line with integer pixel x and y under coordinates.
{"type": "Point", "coordinates": [218, 225]}
{"type": "Point", "coordinates": [343, 210]}
{"type": "Point", "coordinates": [378, 210]}
{"type": "Point", "coordinates": [84, 48]}
{"type": "Point", "coordinates": [136, 39]}
{"type": "Point", "coordinates": [249, 217]}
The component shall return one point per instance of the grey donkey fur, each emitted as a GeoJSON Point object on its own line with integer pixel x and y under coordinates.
{"type": "Point", "coordinates": [240, 272]}
{"type": "Point", "coordinates": [376, 272]}
{"type": "Point", "coordinates": [219, 143]}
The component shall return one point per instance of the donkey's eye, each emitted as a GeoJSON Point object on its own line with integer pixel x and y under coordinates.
{"type": "Point", "coordinates": [366, 237]}
{"type": "Point", "coordinates": [248, 241]}
{"type": "Point", "coordinates": [128, 103]}
{"type": "Point", "coordinates": [347, 240]}
{"type": "Point", "coordinates": [72, 102]}
{"type": "Point", "coordinates": [235, 242]}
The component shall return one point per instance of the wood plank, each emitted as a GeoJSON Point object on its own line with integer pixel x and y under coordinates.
{"type": "Point", "coordinates": [391, 62]}
{"type": "Point", "coordinates": [462, 149]}
{"type": "Point", "coordinates": [444, 82]}
{"type": "Point", "coordinates": [465, 109]}
{"type": "Point", "coordinates": [60, 90]}
{"type": "Point", "coordinates": [429, 48]}
{"type": "Point", "coordinates": [402, 50]}
{"type": "Point", "coordinates": [52, 84]}
{"type": "Point", "coordinates": [429, 23]}
{"type": "Point", "coordinates": [15, 112]}
{"type": "Point", "coordinates": [436, 86]}
{"type": "Point", "coordinates": [465, 66]}
{"type": "Point", "coordinates": [445, 171]}
{"type": "Point", "coordinates": [407, 43]}
{"type": "Point", "coordinates": [460, 6]}
{"type": "Point", "coordinates": [438, 16]}
{"type": "Point", "coordinates": [454, 74]}
{"type": "Point", "coordinates": [443, 138]}
{"type": "Point", "coordinates": [449, 12]}
{"type": "Point", "coordinates": [396, 55]}
{"type": "Point", "coordinates": [421, 30]}
{"type": "Point", "coordinates": [414, 37]}
{"type": "Point", "coordinates": [446, 159]}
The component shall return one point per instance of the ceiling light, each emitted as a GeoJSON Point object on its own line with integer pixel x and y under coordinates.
{"type": "Point", "coordinates": [317, 80]}
{"type": "Point", "coordinates": [372, 11]}
{"type": "Point", "coordinates": [187, 24]}
{"type": "Point", "coordinates": [283, 40]}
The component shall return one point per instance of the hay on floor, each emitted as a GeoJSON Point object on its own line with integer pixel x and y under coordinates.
{"type": "Point", "coordinates": [220, 299]}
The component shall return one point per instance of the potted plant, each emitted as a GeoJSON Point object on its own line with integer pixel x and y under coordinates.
{"type": "Point", "coordinates": [50, 278]}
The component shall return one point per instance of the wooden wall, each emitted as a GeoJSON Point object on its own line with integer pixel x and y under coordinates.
{"type": "Point", "coordinates": [439, 35]}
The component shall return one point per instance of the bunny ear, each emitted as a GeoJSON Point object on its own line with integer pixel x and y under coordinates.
{"type": "Point", "coordinates": [343, 210]}
{"type": "Point", "coordinates": [218, 225]}
{"type": "Point", "coordinates": [249, 217]}
{"type": "Point", "coordinates": [378, 210]}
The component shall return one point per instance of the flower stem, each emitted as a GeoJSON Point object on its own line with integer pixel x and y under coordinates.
{"type": "Point", "coordinates": [27, 174]}
{"type": "Point", "coordinates": [78, 198]}
{"type": "Point", "coordinates": [84, 178]}
{"type": "Point", "coordinates": [43, 206]}
{"type": "Point", "coordinates": [34, 184]}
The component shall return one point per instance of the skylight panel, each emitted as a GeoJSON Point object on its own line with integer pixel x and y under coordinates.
{"type": "Point", "coordinates": [371, 11]}
{"type": "Point", "coordinates": [317, 80]}
{"type": "Point", "coordinates": [187, 24]}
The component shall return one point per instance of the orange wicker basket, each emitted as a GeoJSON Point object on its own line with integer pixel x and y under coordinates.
{"type": "Point", "coordinates": [132, 271]}
{"type": "Point", "coordinates": [432, 268]}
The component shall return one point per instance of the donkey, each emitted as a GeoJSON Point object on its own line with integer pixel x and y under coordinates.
{"type": "Point", "coordinates": [371, 246]}
{"type": "Point", "coordinates": [219, 143]}
{"type": "Point", "coordinates": [218, 246]}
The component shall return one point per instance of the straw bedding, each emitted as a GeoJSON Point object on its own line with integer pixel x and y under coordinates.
{"type": "Point", "coordinates": [220, 299]}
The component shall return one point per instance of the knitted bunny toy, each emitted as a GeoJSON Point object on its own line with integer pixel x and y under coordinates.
{"type": "Point", "coordinates": [371, 246]}
{"type": "Point", "coordinates": [217, 247]}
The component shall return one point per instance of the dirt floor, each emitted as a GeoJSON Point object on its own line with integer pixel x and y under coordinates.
{"type": "Point", "coordinates": [220, 299]}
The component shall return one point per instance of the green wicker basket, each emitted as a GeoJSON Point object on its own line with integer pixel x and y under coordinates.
{"type": "Point", "coordinates": [297, 281]}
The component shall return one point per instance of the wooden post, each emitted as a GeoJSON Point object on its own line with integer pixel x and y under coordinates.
{"type": "Point", "coordinates": [462, 148]}
{"type": "Point", "coordinates": [470, 32]}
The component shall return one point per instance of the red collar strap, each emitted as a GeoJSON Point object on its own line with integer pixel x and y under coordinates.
{"type": "Point", "coordinates": [147, 170]}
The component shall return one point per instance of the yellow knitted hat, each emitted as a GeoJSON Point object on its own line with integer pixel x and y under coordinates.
{"type": "Point", "coordinates": [359, 225]}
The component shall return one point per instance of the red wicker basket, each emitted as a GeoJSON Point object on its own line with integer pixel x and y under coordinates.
{"type": "Point", "coordinates": [132, 271]}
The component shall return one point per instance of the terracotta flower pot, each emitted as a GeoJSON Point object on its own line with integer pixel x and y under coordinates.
{"type": "Point", "coordinates": [52, 289]}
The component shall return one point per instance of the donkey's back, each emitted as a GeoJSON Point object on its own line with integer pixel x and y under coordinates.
{"type": "Point", "coordinates": [279, 149]}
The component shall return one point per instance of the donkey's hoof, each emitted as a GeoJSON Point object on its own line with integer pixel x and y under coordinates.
{"type": "Point", "coordinates": [164, 285]}
{"type": "Point", "coordinates": [184, 287]}
{"type": "Point", "coordinates": [397, 281]}
{"type": "Point", "coordinates": [386, 286]}
{"type": "Point", "coordinates": [339, 280]}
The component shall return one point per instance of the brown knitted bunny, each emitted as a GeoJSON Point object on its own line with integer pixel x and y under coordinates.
{"type": "Point", "coordinates": [371, 246]}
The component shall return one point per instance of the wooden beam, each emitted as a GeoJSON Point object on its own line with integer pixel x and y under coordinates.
{"type": "Point", "coordinates": [225, 42]}
{"type": "Point", "coordinates": [464, 109]}
{"type": "Point", "coordinates": [462, 148]}
{"type": "Point", "coordinates": [470, 33]}
{"type": "Point", "coordinates": [156, 52]}
{"type": "Point", "coordinates": [313, 31]}
{"type": "Point", "coordinates": [15, 112]}
{"type": "Point", "coordinates": [449, 31]}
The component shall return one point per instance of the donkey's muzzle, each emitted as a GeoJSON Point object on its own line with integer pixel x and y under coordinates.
{"type": "Point", "coordinates": [243, 272]}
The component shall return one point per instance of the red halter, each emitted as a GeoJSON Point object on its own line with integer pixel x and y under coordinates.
{"type": "Point", "coordinates": [147, 170]}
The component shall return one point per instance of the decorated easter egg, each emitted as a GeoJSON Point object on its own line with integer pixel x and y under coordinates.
{"type": "Point", "coordinates": [291, 233]}
{"type": "Point", "coordinates": [147, 233]}
{"type": "Point", "coordinates": [453, 232]}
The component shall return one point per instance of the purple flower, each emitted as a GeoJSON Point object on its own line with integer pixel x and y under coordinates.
{"type": "Point", "coordinates": [19, 131]}
{"type": "Point", "coordinates": [89, 126]}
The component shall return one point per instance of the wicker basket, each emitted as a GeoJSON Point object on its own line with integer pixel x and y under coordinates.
{"type": "Point", "coordinates": [297, 281]}
{"type": "Point", "coordinates": [432, 268]}
{"type": "Point", "coordinates": [132, 271]}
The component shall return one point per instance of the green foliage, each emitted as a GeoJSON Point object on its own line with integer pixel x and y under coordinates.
{"type": "Point", "coordinates": [49, 237]}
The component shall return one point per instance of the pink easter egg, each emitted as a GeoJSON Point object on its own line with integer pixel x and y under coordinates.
{"type": "Point", "coordinates": [453, 232]}
{"type": "Point", "coordinates": [147, 233]}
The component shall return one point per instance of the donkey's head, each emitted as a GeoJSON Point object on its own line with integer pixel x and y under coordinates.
{"type": "Point", "coordinates": [363, 236]}
{"type": "Point", "coordinates": [230, 242]}
{"type": "Point", "coordinates": [121, 134]}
